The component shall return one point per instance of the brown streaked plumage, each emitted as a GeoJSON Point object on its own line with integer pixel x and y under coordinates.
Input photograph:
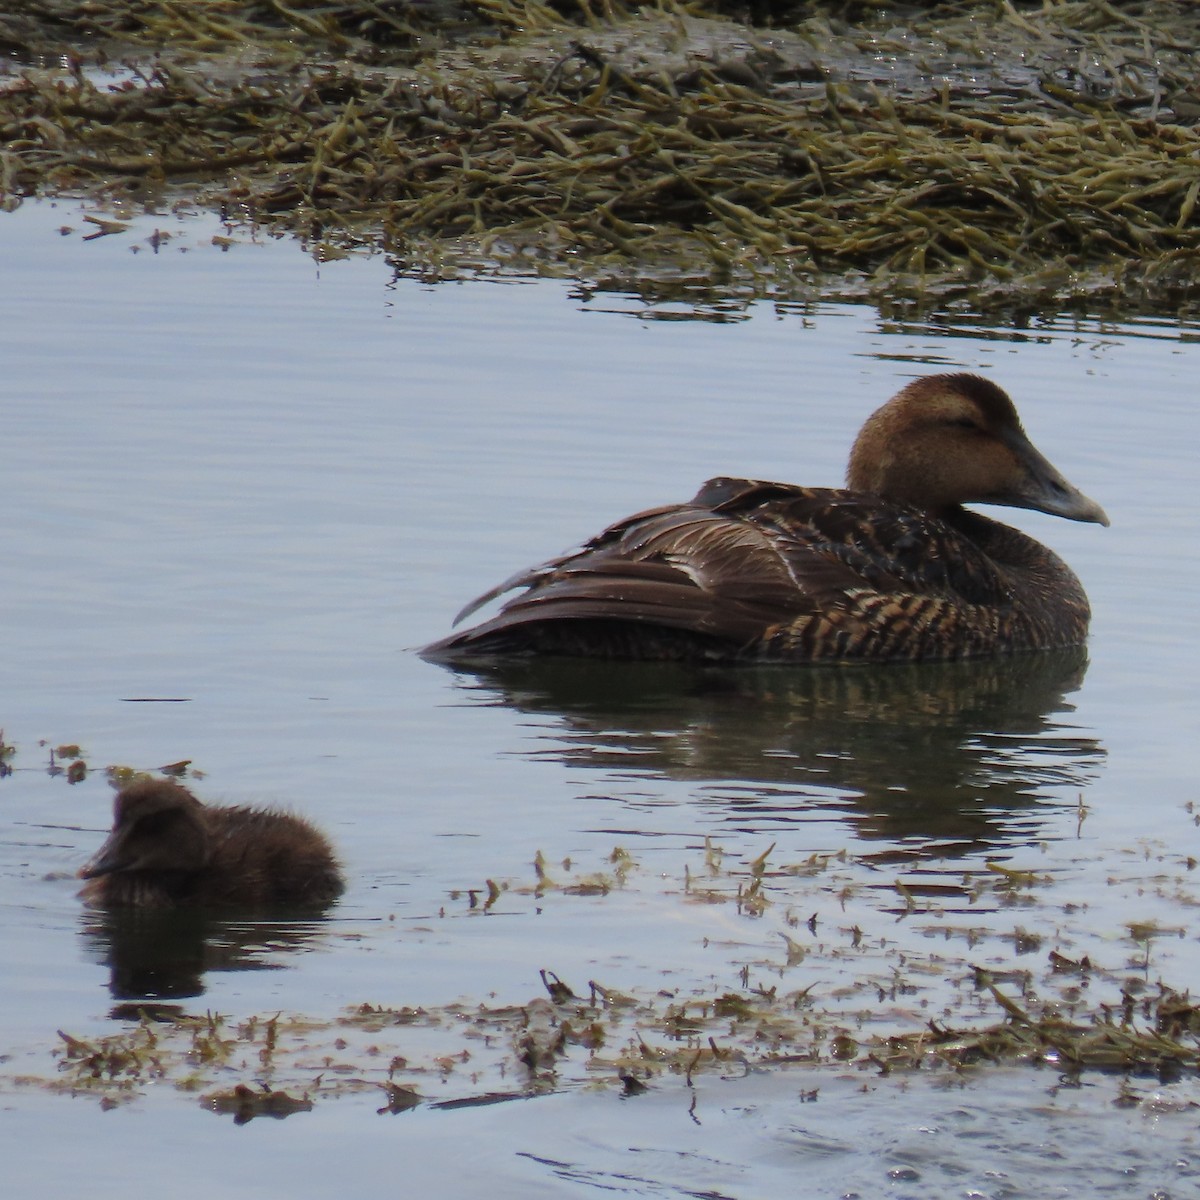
{"type": "Point", "coordinates": [168, 849]}
{"type": "Point", "coordinates": [892, 568]}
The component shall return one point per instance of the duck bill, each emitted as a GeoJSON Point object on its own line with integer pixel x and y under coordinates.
{"type": "Point", "coordinates": [109, 858]}
{"type": "Point", "coordinates": [1047, 491]}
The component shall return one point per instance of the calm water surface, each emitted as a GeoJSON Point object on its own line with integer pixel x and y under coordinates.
{"type": "Point", "coordinates": [238, 489]}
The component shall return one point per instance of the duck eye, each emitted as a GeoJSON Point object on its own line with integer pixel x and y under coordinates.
{"type": "Point", "coordinates": [154, 823]}
{"type": "Point", "coordinates": [965, 423]}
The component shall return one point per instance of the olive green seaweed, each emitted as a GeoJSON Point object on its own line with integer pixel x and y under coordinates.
{"type": "Point", "coordinates": [833, 1001]}
{"type": "Point", "coordinates": [1013, 151]}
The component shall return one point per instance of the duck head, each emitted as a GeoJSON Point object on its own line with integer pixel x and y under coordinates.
{"type": "Point", "coordinates": [157, 826]}
{"type": "Point", "coordinates": [947, 440]}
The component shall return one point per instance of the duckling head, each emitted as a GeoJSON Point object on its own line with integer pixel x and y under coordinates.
{"type": "Point", "coordinates": [158, 826]}
{"type": "Point", "coordinates": [947, 440]}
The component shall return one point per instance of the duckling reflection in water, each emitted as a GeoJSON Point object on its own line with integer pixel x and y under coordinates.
{"type": "Point", "coordinates": [167, 849]}
{"type": "Point", "coordinates": [891, 568]}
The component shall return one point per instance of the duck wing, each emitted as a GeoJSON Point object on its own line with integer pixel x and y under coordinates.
{"type": "Point", "coordinates": [746, 569]}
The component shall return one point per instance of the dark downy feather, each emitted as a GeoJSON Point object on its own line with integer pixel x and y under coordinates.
{"type": "Point", "coordinates": [167, 849]}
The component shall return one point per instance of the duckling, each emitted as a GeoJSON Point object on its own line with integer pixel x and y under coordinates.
{"type": "Point", "coordinates": [168, 849]}
{"type": "Point", "coordinates": [891, 568]}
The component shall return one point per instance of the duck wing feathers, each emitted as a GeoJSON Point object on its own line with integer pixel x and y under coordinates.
{"type": "Point", "coordinates": [768, 571]}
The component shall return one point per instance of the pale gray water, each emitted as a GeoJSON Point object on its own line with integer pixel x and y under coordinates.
{"type": "Point", "coordinates": [254, 485]}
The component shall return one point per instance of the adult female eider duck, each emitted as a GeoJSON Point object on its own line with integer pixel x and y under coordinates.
{"type": "Point", "coordinates": [891, 568]}
{"type": "Point", "coordinates": [166, 849]}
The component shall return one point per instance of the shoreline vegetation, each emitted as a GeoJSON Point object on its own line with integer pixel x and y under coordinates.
{"type": "Point", "coordinates": [998, 154]}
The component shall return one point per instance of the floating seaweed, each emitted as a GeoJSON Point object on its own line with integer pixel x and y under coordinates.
{"type": "Point", "coordinates": [840, 1001]}
{"type": "Point", "coordinates": [979, 148]}
{"type": "Point", "coordinates": [245, 1103]}
{"type": "Point", "coordinates": [76, 769]}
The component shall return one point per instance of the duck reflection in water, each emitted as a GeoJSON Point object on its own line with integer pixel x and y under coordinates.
{"type": "Point", "coordinates": [165, 954]}
{"type": "Point", "coordinates": [943, 759]}
{"type": "Point", "coordinates": [174, 871]}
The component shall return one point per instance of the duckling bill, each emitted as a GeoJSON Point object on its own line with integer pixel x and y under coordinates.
{"type": "Point", "coordinates": [167, 849]}
{"type": "Point", "coordinates": [890, 568]}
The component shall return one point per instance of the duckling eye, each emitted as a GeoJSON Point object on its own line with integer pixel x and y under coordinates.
{"type": "Point", "coordinates": [154, 823]}
{"type": "Point", "coordinates": [965, 423]}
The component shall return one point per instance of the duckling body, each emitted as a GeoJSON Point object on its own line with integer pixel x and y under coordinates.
{"type": "Point", "coordinates": [891, 568]}
{"type": "Point", "coordinates": [166, 849]}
